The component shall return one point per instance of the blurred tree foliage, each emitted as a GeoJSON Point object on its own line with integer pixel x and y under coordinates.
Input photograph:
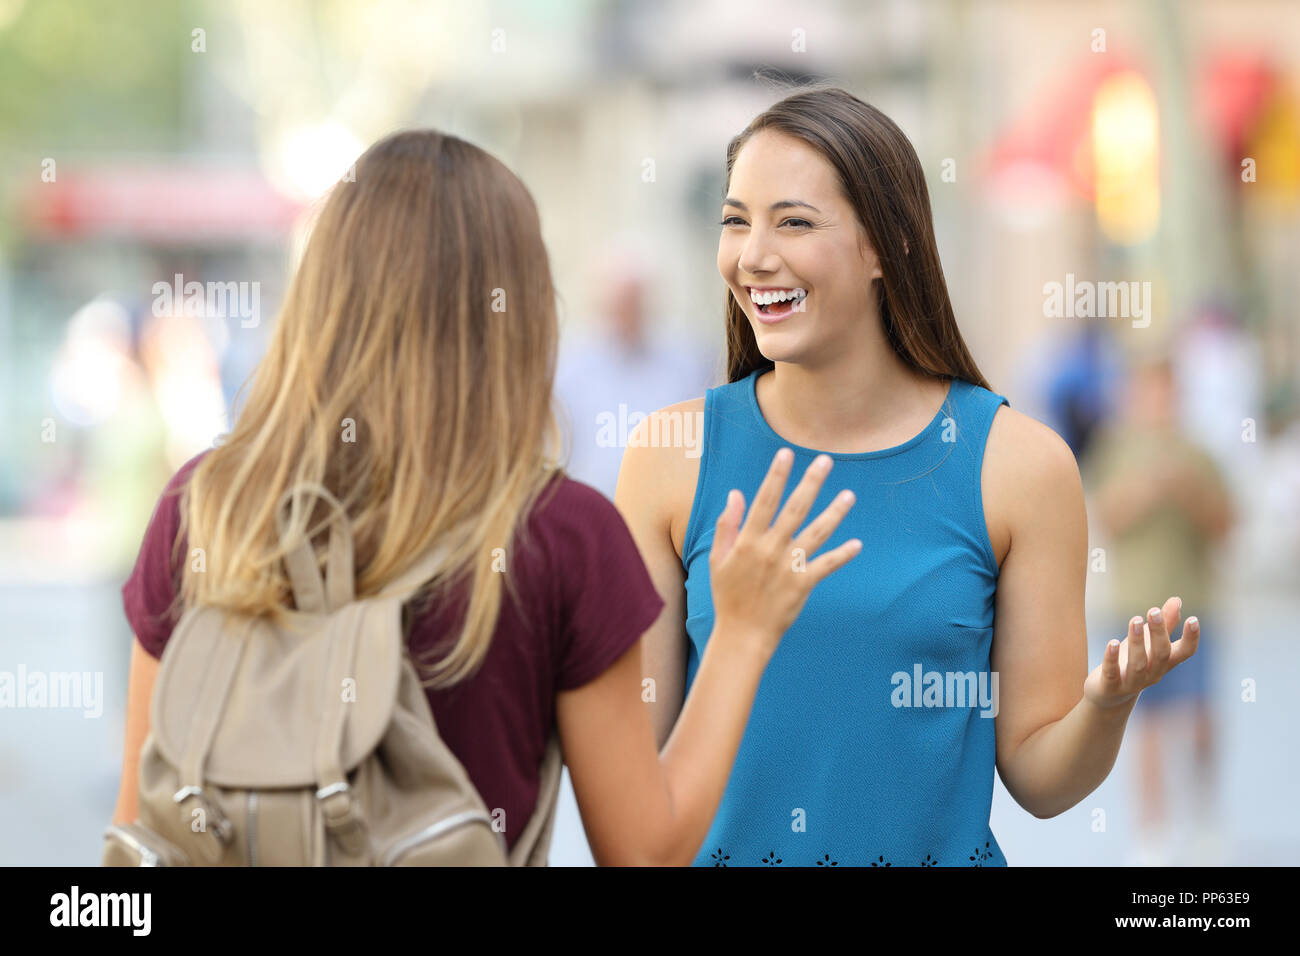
{"type": "Point", "coordinates": [94, 74]}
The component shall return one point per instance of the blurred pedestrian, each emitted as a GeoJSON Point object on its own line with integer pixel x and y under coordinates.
{"type": "Point", "coordinates": [1164, 506]}
{"type": "Point", "coordinates": [628, 365]}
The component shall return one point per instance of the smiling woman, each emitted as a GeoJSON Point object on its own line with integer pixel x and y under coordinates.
{"type": "Point", "coordinates": [842, 341]}
{"type": "Point", "coordinates": [828, 206]}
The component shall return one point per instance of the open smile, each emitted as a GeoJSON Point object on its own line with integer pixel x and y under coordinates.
{"type": "Point", "coordinates": [772, 304]}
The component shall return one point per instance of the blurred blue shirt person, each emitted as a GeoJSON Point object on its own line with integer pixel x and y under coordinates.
{"type": "Point", "coordinates": [609, 379]}
{"type": "Point", "coordinates": [606, 380]}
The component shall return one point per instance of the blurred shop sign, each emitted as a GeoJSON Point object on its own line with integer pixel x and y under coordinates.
{"type": "Point", "coordinates": [165, 203]}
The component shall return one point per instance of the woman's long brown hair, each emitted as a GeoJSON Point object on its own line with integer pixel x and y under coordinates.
{"type": "Point", "coordinates": [410, 373]}
{"type": "Point", "coordinates": [880, 176]}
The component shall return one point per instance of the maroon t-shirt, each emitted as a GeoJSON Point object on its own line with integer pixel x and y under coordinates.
{"type": "Point", "coordinates": [586, 599]}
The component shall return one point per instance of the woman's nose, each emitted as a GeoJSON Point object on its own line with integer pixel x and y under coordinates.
{"type": "Point", "coordinates": [757, 254]}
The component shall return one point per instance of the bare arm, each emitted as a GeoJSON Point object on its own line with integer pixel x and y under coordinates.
{"type": "Point", "coordinates": [139, 693]}
{"type": "Point", "coordinates": [1053, 747]}
{"type": "Point", "coordinates": [639, 806]}
{"type": "Point", "coordinates": [653, 485]}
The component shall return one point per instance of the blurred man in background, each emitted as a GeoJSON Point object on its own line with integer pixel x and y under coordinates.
{"type": "Point", "coordinates": [627, 367]}
{"type": "Point", "coordinates": [1164, 505]}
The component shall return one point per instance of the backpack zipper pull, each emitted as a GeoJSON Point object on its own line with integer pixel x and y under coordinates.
{"type": "Point", "coordinates": [220, 823]}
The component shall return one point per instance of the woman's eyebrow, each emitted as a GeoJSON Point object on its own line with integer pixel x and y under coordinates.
{"type": "Point", "coordinates": [780, 204]}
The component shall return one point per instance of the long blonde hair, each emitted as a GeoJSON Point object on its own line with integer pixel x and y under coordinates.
{"type": "Point", "coordinates": [410, 373]}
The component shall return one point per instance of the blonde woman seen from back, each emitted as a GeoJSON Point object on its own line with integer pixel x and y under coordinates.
{"type": "Point", "coordinates": [410, 374]}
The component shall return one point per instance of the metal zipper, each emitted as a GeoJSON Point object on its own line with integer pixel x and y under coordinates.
{"type": "Point", "coordinates": [147, 856]}
{"type": "Point", "coordinates": [252, 828]}
{"type": "Point", "coordinates": [430, 832]}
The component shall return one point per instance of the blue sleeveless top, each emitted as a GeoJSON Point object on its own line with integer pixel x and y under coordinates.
{"type": "Point", "coordinates": [871, 738]}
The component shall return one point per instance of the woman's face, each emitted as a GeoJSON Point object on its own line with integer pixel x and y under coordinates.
{"type": "Point", "coordinates": [812, 242]}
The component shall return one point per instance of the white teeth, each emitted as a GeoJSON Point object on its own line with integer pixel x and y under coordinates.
{"type": "Point", "coordinates": [777, 295]}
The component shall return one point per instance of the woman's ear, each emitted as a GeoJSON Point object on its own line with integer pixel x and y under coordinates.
{"type": "Point", "coordinates": [905, 249]}
{"type": "Point", "coordinates": [868, 253]}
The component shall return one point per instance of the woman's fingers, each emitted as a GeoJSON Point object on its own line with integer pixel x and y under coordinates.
{"type": "Point", "coordinates": [821, 528]}
{"type": "Point", "coordinates": [801, 499]}
{"type": "Point", "coordinates": [751, 574]}
{"type": "Point", "coordinates": [1185, 646]}
{"type": "Point", "coordinates": [1160, 650]}
{"type": "Point", "coordinates": [1146, 655]}
{"type": "Point", "coordinates": [1111, 680]}
{"type": "Point", "coordinates": [768, 496]}
{"type": "Point", "coordinates": [1173, 614]}
{"type": "Point", "coordinates": [728, 526]}
{"type": "Point", "coordinates": [833, 559]}
{"type": "Point", "coordinates": [1137, 652]}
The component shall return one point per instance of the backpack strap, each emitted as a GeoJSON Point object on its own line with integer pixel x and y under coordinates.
{"type": "Point", "coordinates": [300, 559]}
{"type": "Point", "coordinates": [337, 803]}
{"type": "Point", "coordinates": [222, 666]}
{"type": "Point", "coordinates": [534, 844]}
{"type": "Point", "coordinates": [339, 806]}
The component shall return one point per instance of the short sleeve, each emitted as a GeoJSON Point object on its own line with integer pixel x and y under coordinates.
{"type": "Point", "coordinates": [148, 593]}
{"type": "Point", "coordinates": [606, 597]}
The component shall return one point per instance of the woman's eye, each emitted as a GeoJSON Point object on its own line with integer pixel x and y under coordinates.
{"type": "Point", "coordinates": [797, 223]}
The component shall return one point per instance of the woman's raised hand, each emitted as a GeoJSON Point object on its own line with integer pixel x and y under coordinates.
{"type": "Point", "coordinates": [1145, 656]}
{"type": "Point", "coordinates": [760, 572]}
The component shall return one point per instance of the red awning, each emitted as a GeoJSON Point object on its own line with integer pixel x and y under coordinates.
{"type": "Point", "coordinates": [1235, 88]}
{"type": "Point", "coordinates": [163, 202]}
{"type": "Point", "coordinates": [1050, 144]}
{"type": "Point", "coordinates": [1054, 136]}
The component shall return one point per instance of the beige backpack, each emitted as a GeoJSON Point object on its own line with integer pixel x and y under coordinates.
{"type": "Point", "coordinates": [316, 747]}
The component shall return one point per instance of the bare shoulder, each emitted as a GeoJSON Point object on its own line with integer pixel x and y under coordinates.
{"type": "Point", "coordinates": [1027, 467]}
{"type": "Point", "coordinates": [661, 465]}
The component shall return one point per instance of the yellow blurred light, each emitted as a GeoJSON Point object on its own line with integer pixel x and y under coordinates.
{"type": "Point", "coordinates": [9, 10]}
{"type": "Point", "coordinates": [1126, 158]}
{"type": "Point", "coordinates": [1275, 147]}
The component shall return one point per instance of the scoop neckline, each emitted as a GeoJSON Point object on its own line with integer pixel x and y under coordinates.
{"type": "Point", "coordinates": [752, 393]}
